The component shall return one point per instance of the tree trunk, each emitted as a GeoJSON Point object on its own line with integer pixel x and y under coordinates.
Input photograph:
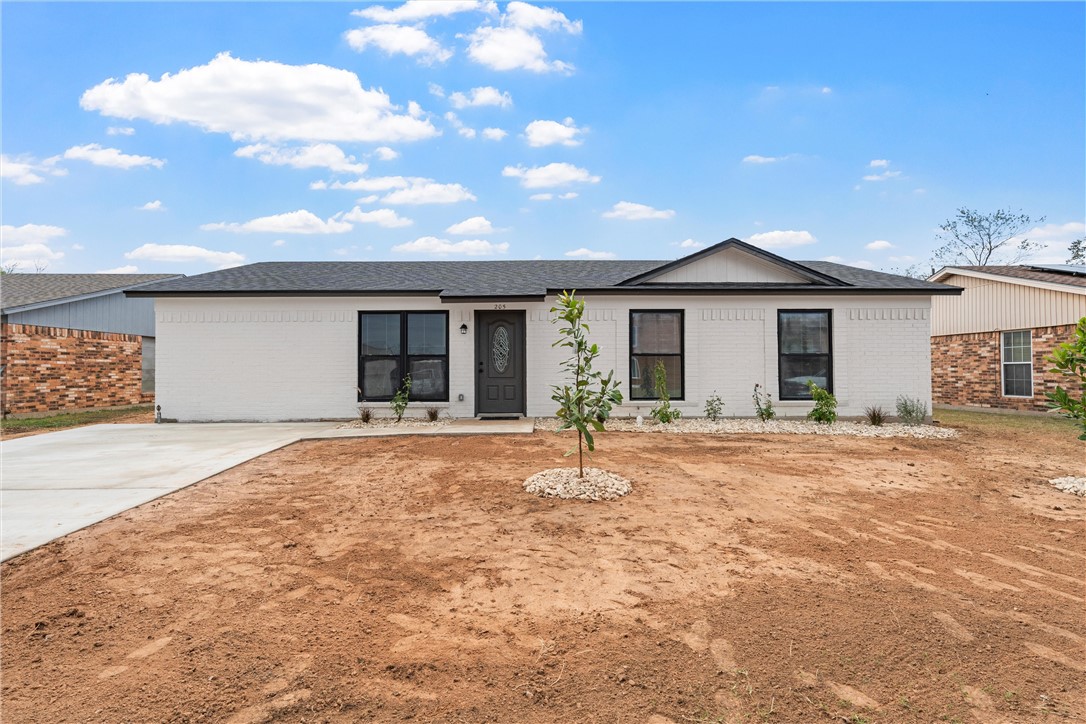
{"type": "Point", "coordinates": [580, 453]}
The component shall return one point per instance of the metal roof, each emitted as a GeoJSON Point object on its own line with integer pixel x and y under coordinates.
{"type": "Point", "coordinates": [23, 291]}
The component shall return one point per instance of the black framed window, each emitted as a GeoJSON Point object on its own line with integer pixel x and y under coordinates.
{"type": "Point", "coordinates": [656, 336]}
{"type": "Point", "coordinates": [1018, 364]}
{"type": "Point", "coordinates": [393, 344]}
{"type": "Point", "coordinates": [805, 351]}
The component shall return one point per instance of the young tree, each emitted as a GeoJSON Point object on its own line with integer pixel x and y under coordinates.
{"type": "Point", "coordinates": [974, 238]}
{"type": "Point", "coordinates": [1077, 251]}
{"type": "Point", "coordinates": [587, 402]}
{"type": "Point", "coordinates": [1070, 359]}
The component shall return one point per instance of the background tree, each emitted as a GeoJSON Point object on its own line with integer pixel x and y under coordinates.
{"type": "Point", "coordinates": [1069, 359]}
{"type": "Point", "coordinates": [973, 238]}
{"type": "Point", "coordinates": [586, 403]}
{"type": "Point", "coordinates": [1077, 251]}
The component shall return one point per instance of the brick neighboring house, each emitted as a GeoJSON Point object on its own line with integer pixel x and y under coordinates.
{"type": "Point", "coordinates": [989, 345]}
{"type": "Point", "coordinates": [74, 342]}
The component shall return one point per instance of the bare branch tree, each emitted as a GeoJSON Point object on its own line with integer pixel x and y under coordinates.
{"type": "Point", "coordinates": [978, 239]}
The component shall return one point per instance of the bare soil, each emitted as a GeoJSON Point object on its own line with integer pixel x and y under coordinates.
{"type": "Point", "coordinates": [746, 578]}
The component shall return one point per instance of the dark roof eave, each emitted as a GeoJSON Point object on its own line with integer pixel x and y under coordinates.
{"type": "Point", "coordinates": [729, 291]}
{"type": "Point", "coordinates": [291, 293]}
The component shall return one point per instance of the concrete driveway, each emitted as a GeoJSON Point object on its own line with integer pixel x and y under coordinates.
{"type": "Point", "coordinates": [59, 482]}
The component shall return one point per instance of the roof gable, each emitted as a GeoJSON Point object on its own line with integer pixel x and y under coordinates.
{"type": "Point", "coordinates": [733, 262]}
{"type": "Point", "coordinates": [20, 292]}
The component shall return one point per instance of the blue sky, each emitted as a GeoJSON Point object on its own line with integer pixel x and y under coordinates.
{"type": "Point", "coordinates": [192, 136]}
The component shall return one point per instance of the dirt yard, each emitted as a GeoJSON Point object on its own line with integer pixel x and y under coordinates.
{"type": "Point", "coordinates": [746, 579]}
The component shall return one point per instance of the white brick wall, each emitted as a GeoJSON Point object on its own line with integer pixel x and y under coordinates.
{"type": "Point", "coordinates": [290, 358]}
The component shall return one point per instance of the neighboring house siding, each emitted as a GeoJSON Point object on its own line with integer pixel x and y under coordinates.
{"type": "Point", "coordinates": [106, 313]}
{"type": "Point", "coordinates": [987, 305]}
{"type": "Point", "coordinates": [279, 358]}
{"type": "Point", "coordinates": [50, 369]}
{"type": "Point", "coordinates": [967, 369]}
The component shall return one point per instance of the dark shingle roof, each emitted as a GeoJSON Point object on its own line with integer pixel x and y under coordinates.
{"type": "Point", "coordinates": [473, 279]}
{"type": "Point", "coordinates": [21, 290]}
{"type": "Point", "coordinates": [1073, 277]}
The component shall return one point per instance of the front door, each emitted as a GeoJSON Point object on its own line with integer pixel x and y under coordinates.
{"type": "Point", "coordinates": [499, 362]}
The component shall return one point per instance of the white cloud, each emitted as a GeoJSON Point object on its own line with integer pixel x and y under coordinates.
{"type": "Point", "coordinates": [515, 43]}
{"type": "Point", "coordinates": [863, 264]}
{"type": "Point", "coordinates": [126, 269]}
{"type": "Point", "coordinates": [155, 205]}
{"type": "Point", "coordinates": [317, 155]}
{"type": "Point", "coordinates": [415, 10]}
{"type": "Point", "coordinates": [494, 134]}
{"type": "Point", "coordinates": [549, 133]}
{"type": "Point", "coordinates": [833, 259]}
{"type": "Point", "coordinates": [28, 252]}
{"type": "Point", "coordinates": [382, 217]}
{"type": "Point", "coordinates": [879, 163]}
{"type": "Point", "coordinates": [756, 159]}
{"type": "Point", "coordinates": [77, 247]}
{"type": "Point", "coordinates": [25, 170]}
{"type": "Point", "coordinates": [110, 157]}
{"type": "Point", "coordinates": [31, 233]}
{"type": "Point", "coordinates": [184, 253]}
{"type": "Point", "coordinates": [541, 197]}
{"type": "Point", "coordinates": [261, 100]}
{"type": "Point", "coordinates": [482, 96]}
{"type": "Point", "coordinates": [553, 174]}
{"type": "Point", "coordinates": [782, 239]}
{"type": "Point", "coordinates": [689, 244]}
{"type": "Point", "coordinates": [637, 212]}
{"type": "Point", "coordinates": [436, 90]}
{"type": "Point", "coordinates": [120, 131]}
{"type": "Point", "coordinates": [425, 191]}
{"type": "Point", "coordinates": [826, 90]}
{"type": "Point", "coordinates": [292, 222]}
{"type": "Point", "coordinates": [456, 123]}
{"type": "Point", "coordinates": [466, 132]}
{"type": "Point", "coordinates": [279, 242]}
{"type": "Point", "coordinates": [1055, 239]}
{"type": "Point", "coordinates": [368, 199]}
{"type": "Point", "coordinates": [568, 195]}
{"type": "Point", "coordinates": [474, 225]}
{"type": "Point", "coordinates": [584, 253]}
{"type": "Point", "coordinates": [372, 183]}
{"type": "Point", "coordinates": [879, 245]}
{"type": "Point", "coordinates": [882, 176]}
{"type": "Point", "coordinates": [403, 39]}
{"type": "Point", "coordinates": [444, 247]}
{"type": "Point", "coordinates": [385, 153]}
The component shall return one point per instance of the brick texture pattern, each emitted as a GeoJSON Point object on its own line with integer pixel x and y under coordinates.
{"type": "Point", "coordinates": [965, 369]}
{"type": "Point", "coordinates": [48, 369]}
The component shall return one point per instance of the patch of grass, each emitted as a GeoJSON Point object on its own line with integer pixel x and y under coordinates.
{"type": "Point", "coordinates": [68, 419]}
{"type": "Point", "coordinates": [1048, 423]}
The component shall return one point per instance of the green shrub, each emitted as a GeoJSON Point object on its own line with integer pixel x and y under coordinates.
{"type": "Point", "coordinates": [714, 407]}
{"type": "Point", "coordinates": [586, 403]}
{"type": "Point", "coordinates": [911, 411]}
{"type": "Point", "coordinates": [399, 400]}
{"type": "Point", "coordinates": [433, 413]}
{"type": "Point", "coordinates": [365, 414]}
{"type": "Point", "coordinates": [825, 405]}
{"type": "Point", "coordinates": [1069, 359]}
{"type": "Point", "coordinates": [763, 404]}
{"type": "Point", "coordinates": [875, 415]}
{"type": "Point", "coordinates": [663, 412]}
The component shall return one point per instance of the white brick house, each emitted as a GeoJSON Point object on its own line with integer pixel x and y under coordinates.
{"type": "Point", "coordinates": [314, 340]}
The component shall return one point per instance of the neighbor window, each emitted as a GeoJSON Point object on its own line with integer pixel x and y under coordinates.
{"type": "Point", "coordinates": [656, 336]}
{"type": "Point", "coordinates": [805, 352]}
{"type": "Point", "coordinates": [1017, 364]}
{"type": "Point", "coordinates": [393, 344]}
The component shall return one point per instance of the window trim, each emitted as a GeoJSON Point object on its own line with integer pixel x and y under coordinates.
{"type": "Point", "coordinates": [403, 358]}
{"type": "Point", "coordinates": [681, 355]}
{"type": "Point", "coordinates": [781, 355]}
{"type": "Point", "coordinates": [1003, 364]}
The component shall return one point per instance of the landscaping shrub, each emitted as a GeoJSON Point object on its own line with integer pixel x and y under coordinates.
{"type": "Point", "coordinates": [1069, 359]}
{"type": "Point", "coordinates": [433, 413]}
{"type": "Point", "coordinates": [714, 407]}
{"type": "Point", "coordinates": [586, 403]}
{"type": "Point", "coordinates": [825, 405]}
{"type": "Point", "coordinates": [365, 414]}
{"type": "Point", "coordinates": [399, 400]}
{"type": "Point", "coordinates": [875, 415]}
{"type": "Point", "coordinates": [763, 404]}
{"type": "Point", "coordinates": [911, 411]}
{"type": "Point", "coordinates": [663, 412]}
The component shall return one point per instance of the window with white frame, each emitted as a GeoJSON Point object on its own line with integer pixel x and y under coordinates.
{"type": "Point", "coordinates": [1017, 364]}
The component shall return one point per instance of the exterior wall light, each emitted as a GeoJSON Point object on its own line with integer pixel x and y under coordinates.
{"type": "Point", "coordinates": [463, 329]}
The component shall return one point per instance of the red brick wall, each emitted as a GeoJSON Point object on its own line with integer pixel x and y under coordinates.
{"type": "Point", "coordinates": [47, 369]}
{"type": "Point", "coordinates": [965, 369]}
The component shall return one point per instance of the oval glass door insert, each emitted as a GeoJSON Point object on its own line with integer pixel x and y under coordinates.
{"type": "Point", "coordinates": [499, 352]}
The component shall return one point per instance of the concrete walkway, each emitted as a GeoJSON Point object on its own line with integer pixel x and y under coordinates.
{"type": "Point", "coordinates": [523, 426]}
{"type": "Point", "coordinates": [57, 483]}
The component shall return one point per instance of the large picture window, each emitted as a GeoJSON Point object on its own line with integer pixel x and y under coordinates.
{"type": "Point", "coordinates": [393, 344]}
{"type": "Point", "coordinates": [656, 336]}
{"type": "Point", "coordinates": [1018, 364]}
{"type": "Point", "coordinates": [805, 352]}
